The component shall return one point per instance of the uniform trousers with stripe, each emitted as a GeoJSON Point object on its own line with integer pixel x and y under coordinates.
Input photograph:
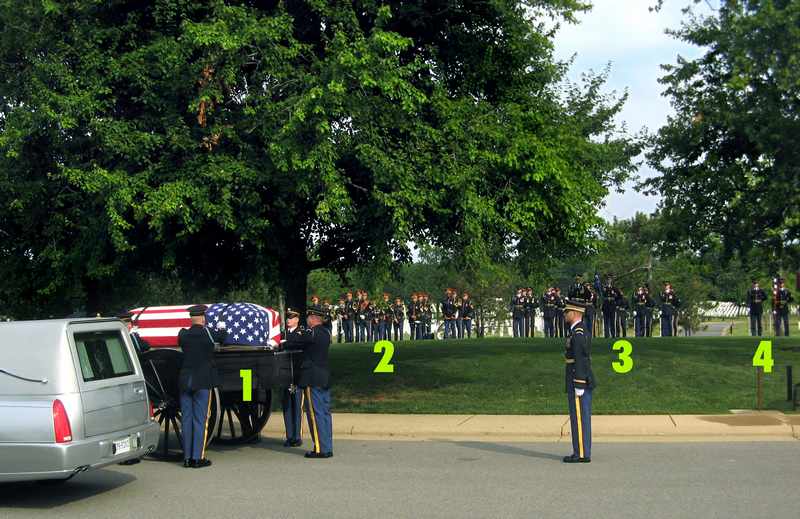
{"type": "Point", "coordinates": [292, 404]}
{"type": "Point", "coordinates": [194, 421]}
{"type": "Point", "coordinates": [580, 420]}
{"type": "Point", "coordinates": [318, 413]}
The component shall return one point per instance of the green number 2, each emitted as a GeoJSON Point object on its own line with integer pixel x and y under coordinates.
{"type": "Point", "coordinates": [763, 356]}
{"type": "Point", "coordinates": [625, 363]}
{"type": "Point", "coordinates": [385, 365]}
{"type": "Point", "coordinates": [247, 384]}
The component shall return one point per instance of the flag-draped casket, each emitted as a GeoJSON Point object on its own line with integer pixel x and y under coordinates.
{"type": "Point", "coordinates": [248, 324]}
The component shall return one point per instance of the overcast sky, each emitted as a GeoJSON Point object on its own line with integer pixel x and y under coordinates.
{"type": "Point", "coordinates": [627, 35]}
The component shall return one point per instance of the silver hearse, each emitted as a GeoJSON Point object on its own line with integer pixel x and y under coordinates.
{"type": "Point", "coordinates": [72, 398]}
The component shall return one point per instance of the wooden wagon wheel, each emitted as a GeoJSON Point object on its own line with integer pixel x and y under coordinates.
{"type": "Point", "coordinates": [241, 422]}
{"type": "Point", "coordinates": [160, 368]}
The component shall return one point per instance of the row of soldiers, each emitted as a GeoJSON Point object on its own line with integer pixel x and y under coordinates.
{"type": "Point", "coordinates": [614, 305]}
{"type": "Point", "coordinates": [781, 297]}
{"type": "Point", "coordinates": [363, 320]}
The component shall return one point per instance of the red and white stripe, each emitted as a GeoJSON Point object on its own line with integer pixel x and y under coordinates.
{"type": "Point", "coordinates": [159, 325]}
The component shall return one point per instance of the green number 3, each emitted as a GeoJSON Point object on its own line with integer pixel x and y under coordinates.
{"type": "Point", "coordinates": [385, 365]}
{"type": "Point", "coordinates": [625, 363]}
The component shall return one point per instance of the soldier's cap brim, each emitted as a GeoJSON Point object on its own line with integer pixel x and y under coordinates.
{"type": "Point", "coordinates": [197, 310]}
{"type": "Point", "coordinates": [292, 313]}
{"type": "Point", "coordinates": [574, 306]}
{"type": "Point", "coordinates": [314, 311]}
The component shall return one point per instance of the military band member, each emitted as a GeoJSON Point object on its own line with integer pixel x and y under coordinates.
{"type": "Point", "coordinates": [338, 315]}
{"type": "Point", "coordinates": [198, 375]}
{"type": "Point", "coordinates": [291, 398]}
{"type": "Point", "coordinates": [669, 306]}
{"type": "Point", "coordinates": [755, 301]}
{"type": "Point", "coordinates": [518, 314]}
{"type": "Point", "coordinates": [449, 311]}
{"type": "Point", "coordinates": [590, 297]}
{"type": "Point", "coordinates": [580, 383]}
{"type": "Point", "coordinates": [529, 312]}
{"type": "Point", "coordinates": [398, 318]}
{"type": "Point", "coordinates": [349, 317]}
{"type": "Point", "coordinates": [426, 311]}
{"type": "Point", "coordinates": [780, 307]}
{"type": "Point", "coordinates": [362, 317]}
{"type": "Point", "coordinates": [314, 379]}
{"type": "Point", "coordinates": [386, 316]}
{"type": "Point", "coordinates": [622, 314]}
{"type": "Point", "coordinates": [610, 297]}
{"type": "Point", "coordinates": [413, 316]}
{"type": "Point", "coordinates": [140, 344]}
{"type": "Point", "coordinates": [315, 303]}
{"type": "Point", "coordinates": [466, 312]}
{"type": "Point", "coordinates": [328, 313]}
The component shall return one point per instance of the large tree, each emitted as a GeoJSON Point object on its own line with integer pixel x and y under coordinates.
{"type": "Point", "coordinates": [729, 159]}
{"type": "Point", "coordinates": [227, 141]}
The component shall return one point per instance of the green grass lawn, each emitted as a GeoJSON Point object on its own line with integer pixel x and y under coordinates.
{"type": "Point", "coordinates": [517, 376]}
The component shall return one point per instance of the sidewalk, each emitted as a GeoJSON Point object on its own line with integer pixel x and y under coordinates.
{"type": "Point", "coordinates": [741, 426]}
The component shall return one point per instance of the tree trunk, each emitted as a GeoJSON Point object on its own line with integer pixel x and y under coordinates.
{"type": "Point", "coordinates": [293, 276]}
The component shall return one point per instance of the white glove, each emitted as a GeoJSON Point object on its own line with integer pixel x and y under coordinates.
{"type": "Point", "coordinates": [221, 325]}
{"type": "Point", "coordinates": [579, 392]}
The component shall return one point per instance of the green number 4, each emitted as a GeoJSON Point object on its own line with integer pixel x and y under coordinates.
{"type": "Point", "coordinates": [385, 365]}
{"type": "Point", "coordinates": [763, 356]}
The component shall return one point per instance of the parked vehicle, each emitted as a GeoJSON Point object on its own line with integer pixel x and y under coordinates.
{"type": "Point", "coordinates": [72, 398]}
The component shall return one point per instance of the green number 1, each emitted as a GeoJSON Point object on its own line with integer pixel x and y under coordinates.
{"type": "Point", "coordinates": [247, 384]}
{"type": "Point", "coordinates": [763, 356]}
{"type": "Point", "coordinates": [385, 365]}
{"type": "Point", "coordinates": [625, 363]}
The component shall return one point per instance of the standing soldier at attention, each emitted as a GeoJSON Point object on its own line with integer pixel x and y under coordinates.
{"type": "Point", "coordinates": [398, 318]}
{"type": "Point", "coordinates": [669, 305]}
{"type": "Point", "coordinates": [315, 380]}
{"type": "Point", "coordinates": [466, 312]}
{"type": "Point", "coordinates": [388, 316]}
{"type": "Point", "coordinates": [348, 318]}
{"type": "Point", "coordinates": [339, 312]}
{"type": "Point", "coordinates": [329, 313]}
{"type": "Point", "coordinates": [641, 306]}
{"type": "Point", "coordinates": [580, 383]}
{"type": "Point", "coordinates": [375, 318]}
{"type": "Point", "coordinates": [529, 311]}
{"type": "Point", "coordinates": [449, 311]}
{"type": "Point", "coordinates": [198, 375]}
{"type": "Point", "coordinates": [291, 398]}
{"type": "Point", "coordinates": [413, 318]}
{"type": "Point", "coordinates": [361, 316]}
{"type": "Point", "coordinates": [781, 297]}
{"type": "Point", "coordinates": [315, 303]}
{"type": "Point", "coordinates": [427, 315]}
{"type": "Point", "coordinates": [755, 301]}
{"type": "Point", "coordinates": [590, 298]}
{"type": "Point", "coordinates": [622, 314]}
{"type": "Point", "coordinates": [518, 314]}
{"type": "Point", "coordinates": [549, 312]}
{"type": "Point", "coordinates": [560, 325]}
{"type": "Point", "coordinates": [610, 296]}
{"type": "Point", "coordinates": [575, 290]}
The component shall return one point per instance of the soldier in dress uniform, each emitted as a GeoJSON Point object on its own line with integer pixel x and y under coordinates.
{"type": "Point", "coordinates": [549, 312]}
{"type": "Point", "coordinates": [140, 344]}
{"type": "Point", "coordinates": [780, 307]}
{"type": "Point", "coordinates": [641, 306]}
{"type": "Point", "coordinates": [398, 318]}
{"type": "Point", "coordinates": [338, 314]}
{"type": "Point", "coordinates": [362, 317]}
{"type": "Point", "coordinates": [413, 316]}
{"type": "Point", "coordinates": [580, 383]}
{"type": "Point", "coordinates": [560, 325]}
{"type": "Point", "coordinates": [348, 318]}
{"type": "Point", "coordinates": [449, 311]}
{"type": "Point", "coordinates": [426, 311]}
{"type": "Point", "coordinates": [329, 314]}
{"type": "Point", "coordinates": [291, 398]}
{"type": "Point", "coordinates": [669, 305]}
{"type": "Point", "coordinates": [590, 298]}
{"type": "Point", "coordinates": [622, 314]}
{"type": "Point", "coordinates": [376, 321]}
{"type": "Point", "coordinates": [314, 379]}
{"type": "Point", "coordinates": [198, 375]}
{"type": "Point", "coordinates": [610, 297]}
{"type": "Point", "coordinates": [466, 312]}
{"type": "Point", "coordinates": [755, 300]}
{"type": "Point", "coordinates": [315, 304]}
{"type": "Point", "coordinates": [529, 311]}
{"type": "Point", "coordinates": [518, 314]}
{"type": "Point", "coordinates": [575, 290]}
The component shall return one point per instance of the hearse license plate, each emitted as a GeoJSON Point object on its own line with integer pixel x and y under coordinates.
{"type": "Point", "coordinates": [122, 446]}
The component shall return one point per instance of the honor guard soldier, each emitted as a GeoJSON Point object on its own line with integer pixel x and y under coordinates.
{"type": "Point", "coordinates": [291, 398]}
{"type": "Point", "coordinates": [413, 318]}
{"type": "Point", "coordinates": [549, 312]}
{"type": "Point", "coordinates": [575, 290]}
{"type": "Point", "coordinates": [376, 321]}
{"type": "Point", "coordinates": [610, 297]}
{"type": "Point", "coordinates": [580, 383]}
{"type": "Point", "coordinates": [529, 312]}
{"type": "Point", "coordinates": [329, 314]}
{"type": "Point", "coordinates": [362, 317]}
{"type": "Point", "coordinates": [669, 306]}
{"type": "Point", "coordinates": [198, 375]}
{"type": "Point", "coordinates": [755, 301]}
{"type": "Point", "coordinates": [315, 304]}
{"type": "Point", "coordinates": [781, 297]}
{"type": "Point", "coordinates": [466, 312]}
{"type": "Point", "coordinates": [339, 312]}
{"type": "Point", "coordinates": [449, 311]}
{"type": "Point", "coordinates": [140, 344]}
{"type": "Point", "coordinates": [385, 314]}
{"type": "Point", "coordinates": [398, 318]}
{"type": "Point", "coordinates": [348, 319]}
{"type": "Point", "coordinates": [314, 379]}
{"type": "Point", "coordinates": [560, 325]}
{"type": "Point", "coordinates": [518, 314]}
{"type": "Point", "coordinates": [426, 310]}
{"type": "Point", "coordinates": [641, 306]}
{"type": "Point", "coordinates": [622, 314]}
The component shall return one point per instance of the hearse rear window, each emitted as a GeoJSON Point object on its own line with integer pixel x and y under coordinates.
{"type": "Point", "coordinates": [102, 355]}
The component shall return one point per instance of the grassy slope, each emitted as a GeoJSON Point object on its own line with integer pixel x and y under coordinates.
{"type": "Point", "coordinates": [509, 376]}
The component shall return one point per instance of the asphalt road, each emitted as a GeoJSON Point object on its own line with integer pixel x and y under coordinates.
{"type": "Point", "coordinates": [375, 479]}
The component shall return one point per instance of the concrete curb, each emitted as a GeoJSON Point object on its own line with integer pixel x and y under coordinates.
{"type": "Point", "coordinates": [745, 426]}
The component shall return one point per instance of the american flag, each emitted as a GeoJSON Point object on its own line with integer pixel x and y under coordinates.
{"type": "Point", "coordinates": [248, 324]}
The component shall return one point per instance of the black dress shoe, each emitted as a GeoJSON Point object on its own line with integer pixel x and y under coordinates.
{"type": "Point", "coordinates": [576, 459]}
{"type": "Point", "coordinates": [312, 454]}
{"type": "Point", "coordinates": [293, 443]}
{"type": "Point", "coordinates": [199, 464]}
{"type": "Point", "coordinates": [188, 464]}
